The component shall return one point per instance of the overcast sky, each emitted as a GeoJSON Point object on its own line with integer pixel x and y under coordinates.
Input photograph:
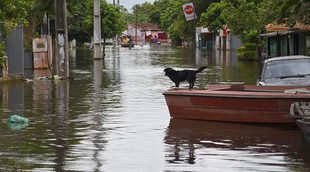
{"type": "Point", "coordinates": [130, 3]}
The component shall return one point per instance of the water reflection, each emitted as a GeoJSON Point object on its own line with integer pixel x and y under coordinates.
{"type": "Point", "coordinates": [13, 98]}
{"type": "Point", "coordinates": [98, 118]}
{"type": "Point", "coordinates": [236, 147]}
{"type": "Point", "coordinates": [61, 126]}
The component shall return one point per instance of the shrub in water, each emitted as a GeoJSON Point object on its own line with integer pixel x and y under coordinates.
{"type": "Point", "coordinates": [247, 52]}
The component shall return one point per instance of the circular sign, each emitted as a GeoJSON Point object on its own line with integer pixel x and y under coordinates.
{"type": "Point", "coordinates": [188, 9]}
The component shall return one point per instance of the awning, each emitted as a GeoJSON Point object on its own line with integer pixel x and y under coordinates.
{"type": "Point", "coordinates": [275, 34]}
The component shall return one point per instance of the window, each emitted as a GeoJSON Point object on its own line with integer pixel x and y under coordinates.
{"type": "Point", "coordinates": [287, 68]}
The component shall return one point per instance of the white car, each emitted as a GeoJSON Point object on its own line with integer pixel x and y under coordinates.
{"type": "Point", "coordinates": [285, 71]}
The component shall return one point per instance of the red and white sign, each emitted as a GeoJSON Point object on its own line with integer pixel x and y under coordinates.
{"type": "Point", "coordinates": [189, 11]}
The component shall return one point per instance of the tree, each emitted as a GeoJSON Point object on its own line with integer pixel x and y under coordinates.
{"type": "Point", "coordinates": [143, 12]}
{"type": "Point", "coordinates": [243, 18]}
{"type": "Point", "coordinates": [213, 18]}
{"type": "Point", "coordinates": [172, 20]}
{"type": "Point", "coordinates": [12, 15]}
{"type": "Point", "coordinates": [168, 14]}
{"type": "Point", "coordinates": [249, 18]}
{"type": "Point", "coordinates": [113, 20]}
{"type": "Point", "coordinates": [202, 5]}
{"type": "Point", "coordinates": [80, 20]}
{"type": "Point", "coordinates": [293, 11]}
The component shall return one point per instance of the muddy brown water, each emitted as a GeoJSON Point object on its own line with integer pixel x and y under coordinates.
{"type": "Point", "coordinates": [113, 117]}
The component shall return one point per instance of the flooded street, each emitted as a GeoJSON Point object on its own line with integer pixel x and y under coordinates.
{"type": "Point", "coordinates": [112, 117]}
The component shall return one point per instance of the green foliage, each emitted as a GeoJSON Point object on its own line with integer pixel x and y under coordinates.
{"type": "Point", "coordinates": [248, 19]}
{"type": "Point", "coordinates": [291, 11]}
{"type": "Point", "coordinates": [212, 18]}
{"type": "Point", "coordinates": [2, 53]}
{"type": "Point", "coordinates": [42, 6]}
{"type": "Point", "coordinates": [13, 14]}
{"type": "Point", "coordinates": [242, 17]}
{"type": "Point", "coordinates": [249, 36]}
{"type": "Point", "coordinates": [247, 52]}
{"type": "Point", "coordinates": [249, 46]}
{"type": "Point", "coordinates": [172, 20]}
{"type": "Point", "coordinates": [143, 12]}
{"type": "Point", "coordinates": [168, 15]}
{"type": "Point", "coordinates": [155, 13]}
{"type": "Point", "coordinates": [202, 5]}
{"type": "Point", "coordinates": [80, 20]}
{"type": "Point", "coordinates": [113, 20]}
{"type": "Point", "coordinates": [17, 13]}
{"type": "Point", "coordinates": [245, 18]}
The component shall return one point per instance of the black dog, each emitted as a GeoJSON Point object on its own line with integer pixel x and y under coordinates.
{"type": "Point", "coordinates": [183, 75]}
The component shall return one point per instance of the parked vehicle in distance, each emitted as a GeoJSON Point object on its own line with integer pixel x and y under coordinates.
{"type": "Point", "coordinates": [285, 71]}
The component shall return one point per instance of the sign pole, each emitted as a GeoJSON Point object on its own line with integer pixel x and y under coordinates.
{"type": "Point", "coordinates": [190, 14]}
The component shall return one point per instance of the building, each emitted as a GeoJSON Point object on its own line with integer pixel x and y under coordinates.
{"type": "Point", "coordinates": [204, 38]}
{"type": "Point", "coordinates": [282, 40]}
{"type": "Point", "coordinates": [225, 40]}
{"type": "Point", "coordinates": [143, 33]}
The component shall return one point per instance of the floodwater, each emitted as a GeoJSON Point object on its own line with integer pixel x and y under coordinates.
{"type": "Point", "coordinates": [112, 117]}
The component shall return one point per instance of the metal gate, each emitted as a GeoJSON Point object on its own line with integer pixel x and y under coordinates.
{"type": "Point", "coordinates": [15, 52]}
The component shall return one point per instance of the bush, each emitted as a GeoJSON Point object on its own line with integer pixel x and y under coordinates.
{"type": "Point", "coordinates": [247, 52]}
{"type": "Point", "coordinates": [250, 46]}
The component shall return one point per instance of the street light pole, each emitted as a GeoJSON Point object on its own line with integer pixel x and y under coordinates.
{"type": "Point", "coordinates": [97, 30]}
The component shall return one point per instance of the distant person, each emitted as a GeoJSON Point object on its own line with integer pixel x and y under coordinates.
{"type": "Point", "coordinates": [130, 43]}
{"type": "Point", "coordinates": [130, 40]}
{"type": "Point", "coordinates": [155, 39]}
{"type": "Point", "coordinates": [151, 39]}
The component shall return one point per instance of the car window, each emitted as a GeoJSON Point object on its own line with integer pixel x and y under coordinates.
{"type": "Point", "coordinates": [286, 68]}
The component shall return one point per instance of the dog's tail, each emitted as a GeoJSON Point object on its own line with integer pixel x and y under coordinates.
{"type": "Point", "coordinates": [201, 69]}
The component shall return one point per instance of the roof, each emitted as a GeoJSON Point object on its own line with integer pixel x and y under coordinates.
{"type": "Point", "coordinates": [272, 27]}
{"type": "Point", "coordinates": [287, 58]}
{"type": "Point", "coordinates": [275, 33]}
{"type": "Point", "coordinates": [146, 26]}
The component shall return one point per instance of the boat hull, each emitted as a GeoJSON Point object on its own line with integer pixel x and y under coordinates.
{"type": "Point", "coordinates": [232, 105]}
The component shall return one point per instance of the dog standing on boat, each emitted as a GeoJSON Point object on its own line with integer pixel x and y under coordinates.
{"type": "Point", "coordinates": [178, 76]}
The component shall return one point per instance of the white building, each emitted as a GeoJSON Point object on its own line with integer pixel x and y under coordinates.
{"type": "Point", "coordinates": [137, 35]}
{"type": "Point", "coordinates": [209, 40]}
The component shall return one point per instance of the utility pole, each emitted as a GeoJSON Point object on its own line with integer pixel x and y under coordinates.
{"type": "Point", "coordinates": [97, 30]}
{"type": "Point", "coordinates": [62, 54]}
{"type": "Point", "coordinates": [116, 36]}
{"type": "Point", "coordinates": [136, 26]}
